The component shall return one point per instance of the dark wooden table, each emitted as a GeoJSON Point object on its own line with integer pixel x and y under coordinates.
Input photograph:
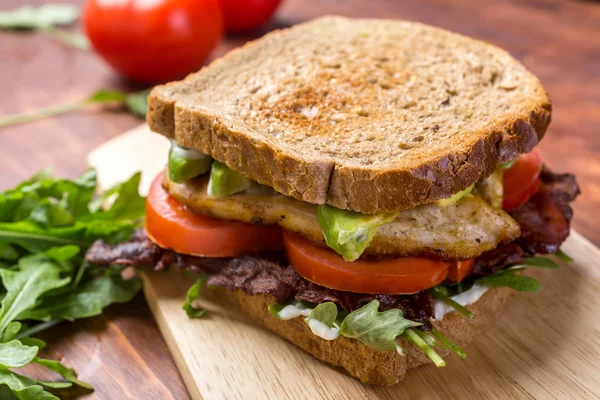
{"type": "Point", "coordinates": [122, 352]}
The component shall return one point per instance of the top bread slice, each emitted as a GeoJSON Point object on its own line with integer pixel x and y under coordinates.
{"type": "Point", "coordinates": [367, 115]}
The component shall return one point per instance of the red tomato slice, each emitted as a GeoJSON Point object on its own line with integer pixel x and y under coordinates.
{"type": "Point", "coordinates": [172, 225]}
{"type": "Point", "coordinates": [460, 270]}
{"type": "Point", "coordinates": [398, 276]}
{"type": "Point", "coordinates": [522, 180]}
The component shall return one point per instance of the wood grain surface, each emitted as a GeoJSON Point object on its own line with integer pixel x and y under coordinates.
{"type": "Point", "coordinates": [121, 353]}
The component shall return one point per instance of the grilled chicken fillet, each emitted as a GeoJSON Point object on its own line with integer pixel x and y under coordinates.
{"type": "Point", "coordinates": [463, 230]}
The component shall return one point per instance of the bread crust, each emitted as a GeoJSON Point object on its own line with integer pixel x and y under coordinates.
{"type": "Point", "coordinates": [421, 176]}
{"type": "Point", "coordinates": [369, 365]}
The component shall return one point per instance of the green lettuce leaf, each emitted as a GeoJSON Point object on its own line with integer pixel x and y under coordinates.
{"type": "Point", "coordinates": [378, 330]}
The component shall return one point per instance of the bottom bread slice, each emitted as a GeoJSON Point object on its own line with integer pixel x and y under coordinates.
{"type": "Point", "coordinates": [369, 365]}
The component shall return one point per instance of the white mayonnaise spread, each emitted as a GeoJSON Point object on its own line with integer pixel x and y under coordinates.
{"type": "Point", "coordinates": [464, 299]}
{"type": "Point", "coordinates": [322, 330]}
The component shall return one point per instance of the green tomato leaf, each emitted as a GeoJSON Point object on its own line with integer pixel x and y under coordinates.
{"type": "Point", "coordinates": [47, 15]}
{"type": "Point", "coordinates": [24, 288]}
{"type": "Point", "coordinates": [137, 103]}
{"type": "Point", "coordinates": [347, 232]}
{"type": "Point", "coordinates": [67, 373]}
{"type": "Point", "coordinates": [192, 294]}
{"type": "Point", "coordinates": [540, 262]}
{"type": "Point", "coordinates": [24, 388]}
{"type": "Point", "coordinates": [15, 354]}
{"type": "Point", "coordinates": [375, 329]}
{"type": "Point", "coordinates": [85, 301]}
{"type": "Point", "coordinates": [511, 279]}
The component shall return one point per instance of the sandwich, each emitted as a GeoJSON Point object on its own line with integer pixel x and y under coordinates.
{"type": "Point", "coordinates": [369, 190]}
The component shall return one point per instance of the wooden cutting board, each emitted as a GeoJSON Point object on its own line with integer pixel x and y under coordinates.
{"type": "Point", "coordinates": [545, 345]}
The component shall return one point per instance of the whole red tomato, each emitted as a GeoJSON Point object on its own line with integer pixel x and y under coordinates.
{"type": "Point", "coordinates": [247, 15]}
{"type": "Point", "coordinates": [153, 40]}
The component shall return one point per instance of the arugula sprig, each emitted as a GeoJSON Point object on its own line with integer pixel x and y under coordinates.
{"type": "Point", "coordinates": [45, 19]}
{"type": "Point", "coordinates": [134, 103]}
{"type": "Point", "coordinates": [46, 225]}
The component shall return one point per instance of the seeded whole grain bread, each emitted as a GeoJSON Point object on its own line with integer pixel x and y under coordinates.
{"type": "Point", "coordinates": [368, 115]}
{"type": "Point", "coordinates": [369, 365]}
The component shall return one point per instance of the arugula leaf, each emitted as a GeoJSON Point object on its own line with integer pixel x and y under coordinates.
{"type": "Point", "coordinates": [45, 19]}
{"type": "Point", "coordinates": [28, 17]}
{"type": "Point", "coordinates": [24, 388]}
{"type": "Point", "coordinates": [563, 256]}
{"type": "Point", "coordinates": [325, 313]}
{"type": "Point", "coordinates": [10, 332]}
{"type": "Point", "coordinates": [511, 279]}
{"type": "Point", "coordinates": [299, 307]}
{"type": "Point", "coordinates": [446, 344]}
{"type": "Point", "coordinates": [540, 262]}
{"type": "Point", "coordinates": [322, 321]}
{"type": "Point", "coordinates": [192, 294]}
{"type": "Point", "coordinates": [15, 354]}
{"type": "Point", "coordinates": [29, 341]}
{"type": "Point", "coordinates": [437, 293]}
{"type": "Point", "coordinates": [65, 372]}
{"type": "Point", "coordinates": [25, 286]}
{"type": "Point", "coordinates": [100, 97]}
{"type": "Point", "coordinates": [376, 329]}
{"type": "Point", "coordinates": [87, 300]}
{"type": "Point", "coordinates": [8, 252]}
{"type": "Point", "coordinates": [46, 224]}
{"type": "Point", "coordinates": [423, 342]}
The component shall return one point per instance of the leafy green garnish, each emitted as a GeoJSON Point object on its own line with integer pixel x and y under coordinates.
{"type": "Point", "coordinates": [438, 293]}
{"type": "Point", "coordinates": [446, 344]}
{"type": "Point", "coordinates": [540, 262]}
{"type": "Point", "coordinates": [511, 278]}
{"type": "Point", "coordinates": [347, 232]}
{"type": "Point", "coordinates": [424, 342]}
{"type": "Point", "coordinates": [65, 372]}
{"type": "Point", "coordinates": [563, 256]}
{"type": "Point", "coordinates": [378, 330]}
{"type": "Point", "coordinates": [192, 294]}
{"type": "Point", "coordinates": [133, 102]}
{"type": "Point", "coordinates": [28, 17]}
{"type": "Point", "coordinates": [325, 313]}
{"type": "Point", "coordinates": [46, 225]}
{"type": "Point", "coordinates": [46, 18]}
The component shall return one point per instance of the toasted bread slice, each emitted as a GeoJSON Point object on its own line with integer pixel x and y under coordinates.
{"type": "Point", "coordinates": [367, 364]}
{"type": "Point", "coordinates": [366, 115]}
